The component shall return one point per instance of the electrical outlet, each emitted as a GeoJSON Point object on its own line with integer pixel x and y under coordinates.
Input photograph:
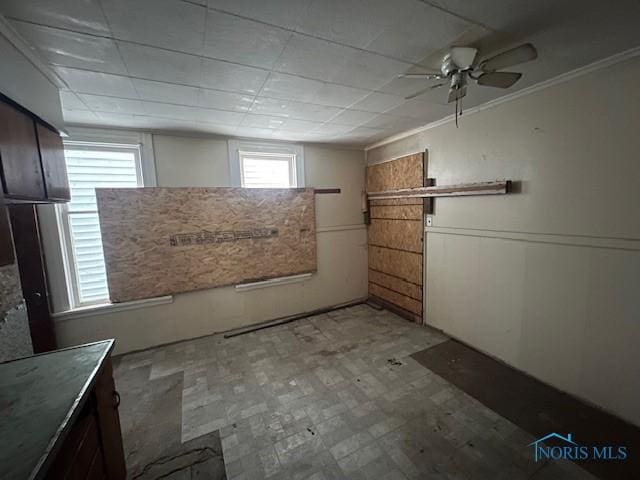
{"type": "Point", "coordinates": [429, 221]}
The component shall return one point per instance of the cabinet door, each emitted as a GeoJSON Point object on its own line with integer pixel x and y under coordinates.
{"type": "Point", "coordinates": [53, 165]}
{"type": "Point", "coordinates": [21, 168]}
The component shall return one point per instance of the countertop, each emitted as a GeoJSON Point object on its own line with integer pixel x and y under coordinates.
{"type": "Point", "coordinates": [39, 399]}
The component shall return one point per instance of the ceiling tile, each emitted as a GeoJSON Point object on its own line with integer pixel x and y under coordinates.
{"type": "Point", "coordinates": [193, 114]}
{"type": "Point", "coordinates": [79, 116]}
{"type": "Point", "coordinates": [167, 92]}
{"type": "Point", "coordinates": [163, 23]}
{"type": "Point", "coordinates": [377, 102]}
{"type": "Point", "coordinates": [284, 13]}
{"type": "Point", "coordinates": [72, 49]}
{"type": "Point", "coordinates": [332, 129]}
{"type": "Point", "coordinates": [420, 30]}
{"type": "Point", "coordinates": [278, 123]}
{"type": "Point", "coordinates": [243, 41]}
{"type": "Point", "coordinates": [353, 117]}
{"type": "Point", "coordinates": [78, 15]}
{"type": "Point", "coordinates": [156, 64]}
{"type": "Point", "coordinates": [291, 109]}
{"type": "Point", "coordinates": [290, 87]}
{"type": "Point", "coordinates": [123, 120]}
{"type": "Point", "coordinates": [70, 101]}
{"type": "Point", "coordinates": [172, 124]}
{"type": "Point", "coordinates": [225, 100]}
{"type": "Point", "coordinates": [99, 103]}
{"type": "Point", "coordinates": [403, 87]}
{"type": "Point", "coordinates": [228, 76]}
{"type": "Point", "coordinates": [391, 122]}
{"type": "Point", "coordinates": [351, 22]}
{"type": "Point", "coordinates": [420, 109]}
{"type": "Point", "coordinates": [82, 81]}
{"type": "Point", "coordinates": [322, 60]}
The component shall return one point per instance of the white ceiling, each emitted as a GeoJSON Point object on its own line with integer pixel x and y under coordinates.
{"type": "Point", "coordinates": [303, 70]}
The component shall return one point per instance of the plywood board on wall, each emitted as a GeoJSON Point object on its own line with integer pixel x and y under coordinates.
{"type": "Point", "coordinates": [395, 236]}
{"type": "Point", "coordinates": [160, 241]}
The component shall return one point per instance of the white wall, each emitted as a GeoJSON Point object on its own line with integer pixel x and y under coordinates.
{"type": "Point", "coordinates": [547, 279]}
{"type": "Point", "coordinates": [342, 256]}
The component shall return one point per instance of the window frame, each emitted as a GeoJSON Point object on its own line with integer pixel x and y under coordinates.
{"type": "Point", "coordinates": [237, 147]}
{"type": "Point", "coordinates": [63, 218]}
{"type": "Point", "coordinates": [53, 235]}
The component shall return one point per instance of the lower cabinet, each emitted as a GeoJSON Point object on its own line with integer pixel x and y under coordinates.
{"type": "Point", "coordinates": [93, 447]}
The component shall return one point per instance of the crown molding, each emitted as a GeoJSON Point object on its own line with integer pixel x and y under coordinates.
{"type": "Point", "coordinates": [562, 78]}
{"type": "Point", "coordinates": [14, 38]}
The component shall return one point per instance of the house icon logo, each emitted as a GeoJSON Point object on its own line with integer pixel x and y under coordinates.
{"type": "Point", "coordinates": [563, 447]}
{"type": "Point", "coordinates": [539, 447]}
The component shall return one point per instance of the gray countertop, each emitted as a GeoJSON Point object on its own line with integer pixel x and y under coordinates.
{"type": "Point", "coordinates": [39, 398]}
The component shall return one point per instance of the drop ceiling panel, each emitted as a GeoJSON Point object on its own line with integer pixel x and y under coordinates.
{"type": "Point", "coordinates": [100, 103]}
{"type": "Point", "coordinates": [350, 22]}
{"type": "Point", "coordinates": [236, 39]}
{"type": "Point", "coordinates": [232, 77]}
{"type": "Point", "coordinates": [291, 109]}
{"type": "Point", "coordinates": [72, 49]}
{"type": "Point", "coordinates": [76, 15]}
{"type": "Point", "coordinates": [283, 13]}
{"type": "Point", "coordinates": [284, 86]}
{"type": "Point", "coordinates": [170, 24]}
{"type": "Point", "coordinates": [318, 70]}
{"type": "Point", "coordinates": [152, 63]}
{"type": "Point", "coordinates": [83, 81]}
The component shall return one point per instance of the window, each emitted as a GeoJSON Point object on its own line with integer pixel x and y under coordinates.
{"type": "Point", "coordinates": [266, 165]}
{"type": "Point", "coordinates": [91, 166]}
{"type": "Point", "coordinates": [262, 170]}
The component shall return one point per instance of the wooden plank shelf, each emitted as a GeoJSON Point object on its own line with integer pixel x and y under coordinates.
{"type": "Point", "coordinates": [500, 187]}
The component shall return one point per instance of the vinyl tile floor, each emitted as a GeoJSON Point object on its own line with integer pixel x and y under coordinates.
{"type": "Point", "coordinates": [335, 396]}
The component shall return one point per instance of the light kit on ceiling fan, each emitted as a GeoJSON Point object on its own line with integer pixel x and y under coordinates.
{"type": "Point", "coordinates": [459, 64]}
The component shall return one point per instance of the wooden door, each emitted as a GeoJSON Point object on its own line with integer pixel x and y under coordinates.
{"type": "Point", "coordinates": [21, 169]}
{"type": "Point", "coordinates": [6, 242]}
{"type": "Point", "coordinates": [26, 235]}
{"type": "Point", "coordinates": [53, 164]}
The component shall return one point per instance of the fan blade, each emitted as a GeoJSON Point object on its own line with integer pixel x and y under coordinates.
{"type": "Point", "coordinates": [456, 94]}
{"type": "Point", "coordinates": [424, 90]}
{"type": "Point", "coordinates": [499, 79]}
{"type": "Point", "coordinates": [463, 57]}
{"type": "Point", "coordinates": [514, 56]}
{"type": "Point", "coordinates": [428, 76]}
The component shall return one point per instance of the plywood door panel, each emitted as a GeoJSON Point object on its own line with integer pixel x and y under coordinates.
{"type": "Point", "coordinates": [159, 241]}
{"type": "Point", "coordinates": [395, 236]}
{"type": "Point", "coordinates": [404, 265]}
{"type": "Point", "coordinates": [405, 172]}
{"type": "Point", "coordinates": [402, 301]}
{"type": "Point", "coordinates": [408, 212]}
{"type": "Point", "coordinates": [396, 284]}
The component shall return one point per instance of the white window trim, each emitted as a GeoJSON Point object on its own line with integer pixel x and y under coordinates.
{"type": "Point", "coordinates": [237, 145]}
{"type": "Point", "coordinates": [53, 232]}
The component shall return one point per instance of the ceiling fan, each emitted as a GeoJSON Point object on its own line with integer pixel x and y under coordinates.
{"type": "Point", "coordinates": [460, 63]}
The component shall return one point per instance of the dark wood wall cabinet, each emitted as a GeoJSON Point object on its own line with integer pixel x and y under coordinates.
{"type": "Point", "coordinates": [63, 420]}
{"type": "Point", "coordinates": [31, 157]}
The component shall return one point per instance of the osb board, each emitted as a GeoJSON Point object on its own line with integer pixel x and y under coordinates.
{"type": "Point", "coordinates": [397, 234]}
{"type": "Point", "coordinates": [404, 172]}
{"type": "Point", "coordinates": [396, 284]}
{"type": "Point", "coordinates": [406, 303]}
{"type": "Point", "coordinates": [396, 201]}
{"type": "Point", "coordinates": [160, 241]}
{"type": "Point", "coordinates": [405, 265]}
{"type": "Point", "coordinates": [408, 212]}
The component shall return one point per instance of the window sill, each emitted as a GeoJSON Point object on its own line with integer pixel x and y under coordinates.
{"type": "Point", "coordinates": [273, 282]}
{"type": "Point", "coordinates": [105, 308]}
